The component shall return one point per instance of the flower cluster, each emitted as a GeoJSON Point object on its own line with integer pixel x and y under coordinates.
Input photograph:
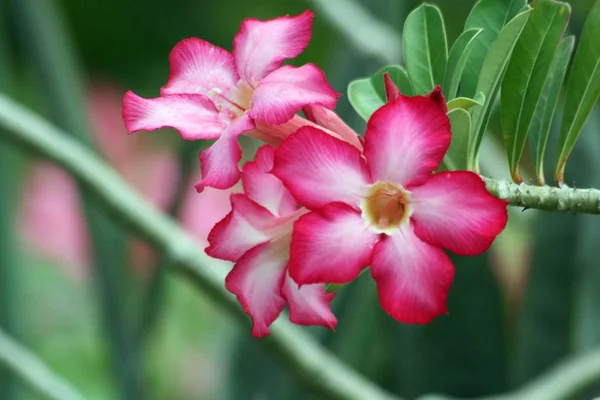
{"type": "Point", "coordinates": [319, 203]}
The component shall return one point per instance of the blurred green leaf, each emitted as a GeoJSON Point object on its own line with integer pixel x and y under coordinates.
{"type": "Point", "coordinates": [363, 97]}
{"type": "Point", "coordinates": [526, 75]}
{"type": "Point", "coordinates": [583, 89]}
{"type": "Point", "coordinates": [398, 76]}
{"type": "Point", "coordinates": [546, 107]}
{"type": "Point", "coordinates": [456, 157]}
{"type": "Point", "coordinates": [491, 16]}
{"type": "Point", "coordinates": [425, 48]}
{"type": "Point", "coordinates": [489, 81]}
{"type": "Point", "coordinates": [465, 103]}
{"type": "Point", "coordinates": [459, 54]}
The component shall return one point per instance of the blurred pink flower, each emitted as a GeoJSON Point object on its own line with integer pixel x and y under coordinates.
{"type": "Point", "coordinates": [52, 222]}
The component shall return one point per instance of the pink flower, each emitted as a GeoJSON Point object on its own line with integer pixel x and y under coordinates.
{"type": "Point", "coordinates": [256, 236]}
{"type": "Point", "coordinates": [385, 208]}
{"type": "Point", "coordinates": [214, 94]}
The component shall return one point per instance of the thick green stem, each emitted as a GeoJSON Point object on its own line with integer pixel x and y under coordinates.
{"type": "Point", "coordinates": [31, 369]}
{"type": "Point", "coordinates": [546, 198]}
{"type": "Point", "coordinates": [310, 363]}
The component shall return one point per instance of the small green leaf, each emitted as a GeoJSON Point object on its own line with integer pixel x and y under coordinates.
{"type": "Point", "coordinates": [425, 48]}
{"type": "Point", "coordinates": [492, 71]}
{"type": "Point", "coordinates": [399, 77]}
{"type": "Point", "coordinates": [583, 89]}
{"type": "Point", "coordinates": [546, 107]}
{"type": "Point", "coordinates": [459, 55]}
{"type": "Point", "coordinates": [491, 16]}
{"type": "Point", "coordinates": [526, 75]}
{"type": "Point", "coordinates": [465, 103]}
{"type": "Point", "coordinates": [363, 98]}
{"type": "Point", "coordinates": [456, 157]}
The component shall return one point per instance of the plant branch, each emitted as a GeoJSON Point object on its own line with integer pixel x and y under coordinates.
{"type": "Point", "coordinates": [546, 198]}
{"type": "Point", "coordinates": [311, 363]}
{"type": "Point", "coordinates": [374, 38]}
{"type": "Point", "coordinates": [33, 370]}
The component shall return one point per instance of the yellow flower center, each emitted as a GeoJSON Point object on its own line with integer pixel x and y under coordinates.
{"type": "Point", "coordinates": [386, 206]}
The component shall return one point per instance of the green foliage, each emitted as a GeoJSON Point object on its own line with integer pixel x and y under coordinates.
{"type": "Point", "coordinates": [425, 48]}
{"type": "Point", "coordinates": [527, 74]}
{"type": "Point", "coordinates": [466, 103]}
{"type": "Point", "coordinates": [583, 89]}
{"type": "Point", "coordinates": [457, 60]}
{"type": "Point", "coordinates": [398, 76]}
{"type": "Point", "coordinates": [491, 16]}
{"type": "Point", "coordinates": [456, 157]}
{"type": "Point", "coordinates": [492, 71]}
{"type": "Point", "coordinates": [546, 107]}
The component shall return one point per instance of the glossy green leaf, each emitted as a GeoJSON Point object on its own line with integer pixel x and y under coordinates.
{"type": "Point", "coordinates": [526, 75]}
{"type": "Point", "coordinates": [363, 97]}
{"type": "Point", "coordinates": [583, 89]}
{"type": "Point", "coordinates": [492, 71]}
{"type": "Point", "coordinates": [546, 107]}
{"type": "Point", "coordinates": [456, 157]}
{"type": "Point", "coordinates": [459, 55]}
{"type": "Point", "coordinates": [398, 76]}
{"type": "Point", "coordinates": [425, 48]}
{"type": "Point", "coordinates": [466, 103]}
{"type": "Point", "coordinates": [491, 16]}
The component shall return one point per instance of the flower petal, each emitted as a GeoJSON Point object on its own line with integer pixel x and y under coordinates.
{"type": "Point", "coordinates": [265, 188]}
{"type": "Point", "coordinates": [196, 66]}
{"type": "Point", "coordinates": [455, 211]}
{"type": "Point", "coordinates": [242, 229]}
{"type": "Point", "coordinates": [319, 169]}
{"type": "Point", "coordinates": [328, 119]}
{"type": "Point", "coordinates": [391, 90]}
{"type": "Point", "coordinates": [193, 115]}
{"type": "Point", "coordinates": [219, 163]}
{"type": "Point", "coordinates": [286, 90]}
{"type": "Point", "coordinates": [413, 277]}
{"type": "Point", "coordinates": [331, 245]}
{"type": "Point", "coordinates": [256, 280]}
{"type": "Point", "coordinates": [406, 140]}
{"type": "Point", "coordinates": [261, 46]}
{"type": "Point", "coordinates": [438, 98]}
{"type": "Point", "coordinates": [309, 304]}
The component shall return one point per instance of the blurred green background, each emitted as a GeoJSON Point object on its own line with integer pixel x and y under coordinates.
{"type": "Point", "coordinates": [116, 328]}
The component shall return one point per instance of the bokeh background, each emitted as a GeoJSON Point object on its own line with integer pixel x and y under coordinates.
{"type": "Point", "coordinates": [95, 304]}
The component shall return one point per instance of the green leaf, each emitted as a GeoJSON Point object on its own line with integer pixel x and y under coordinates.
{"type": "Point", "coordinates": [583, 89]}
{"type": "Point", "coordinates": [425, 48]}
{"type": "Point", "coordinates": [398, 76]}
{"type": "Point", "coordinates": [546, 107]}
{"type": "Point", "coordinates": [456, 157]}
{"type": "Point", "coordinates": [363, 97]}
{"type": "Point", "coordinates": [465, 103]}
{"type": "Point", "coordinates": [526, 75]}
{"type": "Point", "coordinates": [459, 55]}
{"type": "Point", "coordinates": [489, 81]}
{"type": "Point", "coordinates": [491, 16]}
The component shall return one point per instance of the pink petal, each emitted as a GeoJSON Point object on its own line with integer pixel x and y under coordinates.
{"type": "Point", "coordinates": [319, 169]}
{"type": "Point", "coordinates": [309, 304]}
{"type": "Point", "coordinates": [260, 46]}
{"type": "Point", "coordinates": [219, 163]}
{"type": "Point", "coordinates": [413, 277]}
{"type": "Point", "coordinates": [242, 229]}
{"type": "Point", "coordinates": [406, 140]}
{"type": "Point", "coordinates": [331, 245]}
{"type": "Point", "coordinates": [193, 115]}
{"type": "Point", "coordinates": [391, 90]}
{"type": "Point", "coordinates": [438, 98]}
{"type": "Point", "coordinates": [286, 90]}
{"type": "Point", "coordinates": [265, 188]}
{"type": "Point", "coordinates": [328, 119]}
{"type": "Point", "coordinates": [256, 280]}
{"type": "Point", "coordinates": [199, 67]}
{"type": "Point", "coordinates": [455, 211]}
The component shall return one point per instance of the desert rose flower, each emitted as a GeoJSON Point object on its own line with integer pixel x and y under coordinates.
{"type": "Point", "coordinates": [256, 236]}
{"type": "Point", "coordinates": [214, 94]}
{"type": "Point", "coordinates": [386, 208]}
